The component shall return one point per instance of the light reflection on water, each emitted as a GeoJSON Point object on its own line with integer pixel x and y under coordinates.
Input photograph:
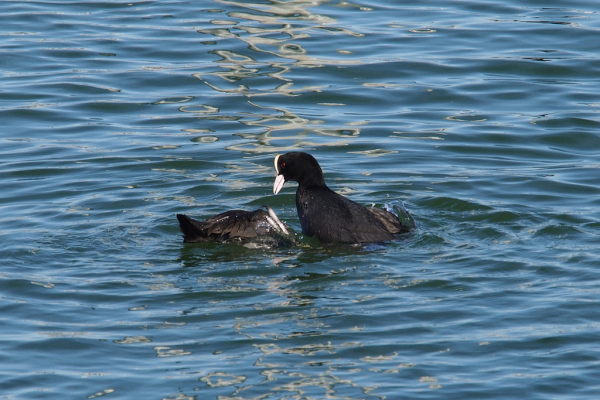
{"type": "Point", "coordinates": [272, 35]}
{"type": "Point", "coordinates": [482, 117]}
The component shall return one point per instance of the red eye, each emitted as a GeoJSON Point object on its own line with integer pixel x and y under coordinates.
{"type": "Point", "coordinates": [282, 165]}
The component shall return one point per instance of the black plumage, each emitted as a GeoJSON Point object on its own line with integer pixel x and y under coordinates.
{"type": "Point", "coordinates": [233, 225]}
{"type": "Point", "coordinates": [327, 215]}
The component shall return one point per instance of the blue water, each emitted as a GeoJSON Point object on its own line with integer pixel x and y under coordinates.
{"type": "Point", "coordinates": [482, 117]}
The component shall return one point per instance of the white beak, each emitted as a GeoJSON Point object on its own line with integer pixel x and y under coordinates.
{"type": "Point", "coordinates": [279, 181]}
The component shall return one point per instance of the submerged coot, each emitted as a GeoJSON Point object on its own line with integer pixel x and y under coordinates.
{"type": "Point", "coordinates": [234, 225]}
{"type": "Point", "coordinates": [327, 215]}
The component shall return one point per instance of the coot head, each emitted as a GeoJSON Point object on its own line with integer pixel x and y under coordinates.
{"type": "Point", "coordinates": [299, 167]}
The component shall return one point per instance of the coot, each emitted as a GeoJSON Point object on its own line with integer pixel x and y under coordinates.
{"type": "Point", "coordinates": [234, 225]}
{"type": "Point", "coordinates": [329, 216]}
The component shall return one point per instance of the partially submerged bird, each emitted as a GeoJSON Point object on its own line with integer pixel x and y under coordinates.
{"type": "Point", "coordinates": [329, 216]}
{"type": "Point", "coordinates": [235, 225]}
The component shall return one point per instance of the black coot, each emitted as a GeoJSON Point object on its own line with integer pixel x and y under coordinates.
{"type": "Point", "coordinates": [234, 225]}
{"type": "Point", "coordinates": [327, 215]}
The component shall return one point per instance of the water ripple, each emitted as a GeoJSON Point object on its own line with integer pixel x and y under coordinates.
{"type": "Point", "coordinates": [481, 117]}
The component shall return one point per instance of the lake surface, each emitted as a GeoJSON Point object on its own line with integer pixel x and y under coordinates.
{"type": "Point", "coordinates": [481, 116]}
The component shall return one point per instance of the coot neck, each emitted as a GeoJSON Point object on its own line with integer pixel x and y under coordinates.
{"type": "Point", "coordinates": [310, 175]}
{"type": "Point", "coordinates": [312, 182]}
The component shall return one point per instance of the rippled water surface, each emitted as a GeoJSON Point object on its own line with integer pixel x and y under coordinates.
{"type": "Point", "coordinates": [481, 116]}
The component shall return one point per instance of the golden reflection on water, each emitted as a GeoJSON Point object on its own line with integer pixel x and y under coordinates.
{"type": "Point", "coordinates": [272, 36]}
{"type": "Point", "coordinates": [284, 120]}
{"type": "Point", "coordinates": [219, 379]}
{"type": "Point", "coordinates": [286, 366]}
{"type": "Point", "coordinates": [295, 348]}
{"type": "Point", "coordinates": [282, 24]}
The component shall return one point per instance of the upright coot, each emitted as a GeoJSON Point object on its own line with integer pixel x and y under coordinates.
{"type": "Point", "coordinates": [327, 215]}
{"type": "Point", "coordinates": [234, 225]}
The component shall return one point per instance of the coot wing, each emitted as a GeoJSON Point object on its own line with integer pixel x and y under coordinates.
{"type": "Point", "coordinates": [237, 225]}
{"type": "Point", "coordinates": [389, 220]}
{"type": "Point", "coordinates": [233, 224]}
{"type": "Point", "coordinates": [334, 218]}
